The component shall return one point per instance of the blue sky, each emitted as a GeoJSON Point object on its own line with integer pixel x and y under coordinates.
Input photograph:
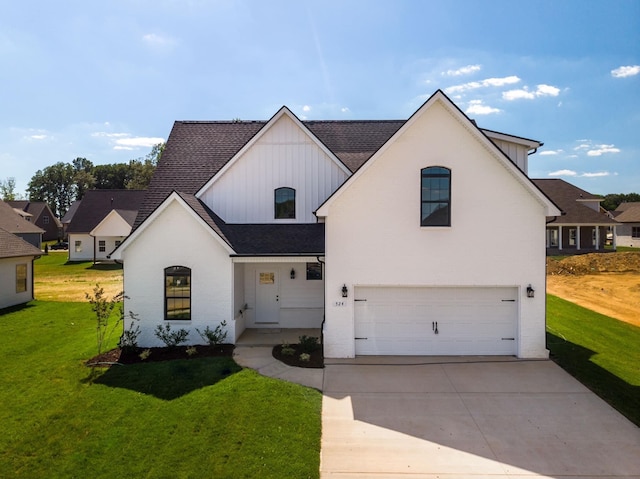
{"type": "Point", "coordinates": [106, 80]}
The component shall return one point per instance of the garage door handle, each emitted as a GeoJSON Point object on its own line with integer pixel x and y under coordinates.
{"type": "Point", "coordinates": [508, 339]}
{"type": "Point", "coordinates": [359, 299]}
{"type": "Point", "coordinates": [508, 300]}
{"type": "Point", "coordinates": [362, 338]}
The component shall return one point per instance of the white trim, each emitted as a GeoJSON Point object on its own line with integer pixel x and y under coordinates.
{"type": "Point", "coordinates": [284, 111]}
{"type": "Point", "coordinates": [531, 144]}
{"type": "Point", "coordinates": [439, 96]}
{"type": "Point", "coordinates": [105, 219]}
{"type": "Point", "coordinates": [117, 253]}
{"type": "Point", "coordinates": [276, 259]}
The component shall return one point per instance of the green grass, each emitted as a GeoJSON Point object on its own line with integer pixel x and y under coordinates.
{"type": "Point", "coordinates": [178, 419]}
{"type": "Point", "coordinates": [601, 352]}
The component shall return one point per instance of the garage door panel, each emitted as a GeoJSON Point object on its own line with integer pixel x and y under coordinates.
{"type": "Point", "coordinates": [469, 321]}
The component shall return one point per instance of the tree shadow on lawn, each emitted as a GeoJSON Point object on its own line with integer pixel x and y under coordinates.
{"type": "Point", "coordinates": [166, 379]}
{"type": "Point", "coordinates": [576, 360]}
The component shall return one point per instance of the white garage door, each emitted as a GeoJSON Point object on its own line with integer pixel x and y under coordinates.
{"type": "Point", "coordinates": [435, 321]}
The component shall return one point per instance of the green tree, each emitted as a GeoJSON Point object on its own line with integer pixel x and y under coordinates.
{"type": "Point", "coordinates": [8, 189]}
{"type": "Point", "coordinates": [611, 201]}
{"type": "Point", "coordinates": [55, 186]}
{"type": "Point", "coordinates": [83, 176]}
{"type": "Point", "coordinates": [142, 169]}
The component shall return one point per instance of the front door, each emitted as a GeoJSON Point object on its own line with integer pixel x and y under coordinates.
{"type": "Point", "coordinates": [267, 296]}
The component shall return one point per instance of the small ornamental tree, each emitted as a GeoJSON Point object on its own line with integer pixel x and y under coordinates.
{"type": "Point", "coordinates": [103, 308]}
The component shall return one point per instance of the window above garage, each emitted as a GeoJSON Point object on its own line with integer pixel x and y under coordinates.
{"type": "Point", "coordinates": [435, 196]}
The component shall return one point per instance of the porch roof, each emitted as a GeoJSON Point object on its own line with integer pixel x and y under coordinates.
{"type": "Point", "coordinates": [292, 239]}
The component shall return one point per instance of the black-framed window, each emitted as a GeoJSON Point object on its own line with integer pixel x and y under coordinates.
{"type": "Point", "coordinates": [177, 293]}
{"type": "Point", "coordinates": [635, 231]}
{"type": "Point", "coordinates": [285, 203]}
{"type": "Point", "coordinates": [314, 271]}
{"type": "Point", "coordinates": [435, 196]}
{"type": "Point", "coordinates": [21, 278]}
{"type": "Point", "coordinates": [102, 246]}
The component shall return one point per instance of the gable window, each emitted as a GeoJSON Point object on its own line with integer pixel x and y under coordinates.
{"type": "Point", "coordinates": [177, 293]}
{"type": "Point", "coordinates": [21, 278]}
{"type": "Point", "coordinates": [314, 271]}
{"type": "Point", "coordinates": [45, 220]}
{"type": "Point", "coordinates": [635, 231]}
{"type": "Point", "coordinates": [435, 196]}
{"type": "Point", "coordinates": [285, 203]}
{"type": "Point", "coordinates": [102, 246]}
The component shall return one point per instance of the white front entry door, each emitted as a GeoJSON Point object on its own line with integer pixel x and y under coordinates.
{"type": "Point", "coordinates": [267, 296]}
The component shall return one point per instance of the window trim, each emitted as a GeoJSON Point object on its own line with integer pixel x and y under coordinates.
{"type": "Point", "coordinates": [179, 271]}
{"type": "Point", "coordinates": [312, 271]}
{"type": "Point", "coordinates": [102, 246]}
{"type": "Point", "coordinates": [275, 203]}
{"type": "Point", "coordinates": [424, 174]}
{"type": "Point", "coordinates": [635, 231]}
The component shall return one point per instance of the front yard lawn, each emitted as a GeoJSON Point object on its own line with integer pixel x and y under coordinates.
{"type": "Point", "coordinates": [195, 418]}
{"type": "Point", "coordinates": [601, 352]}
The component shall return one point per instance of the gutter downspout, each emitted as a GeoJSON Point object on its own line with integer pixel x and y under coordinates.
{"type": "Point", "coordinates": [324, 302]}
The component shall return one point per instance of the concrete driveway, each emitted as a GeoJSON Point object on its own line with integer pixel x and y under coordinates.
{"type": "Point", "coordinates": [471, 417]}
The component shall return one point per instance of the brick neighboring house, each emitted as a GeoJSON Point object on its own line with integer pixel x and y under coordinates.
{"type": "Point", "coordinates": [628, 215]}
{"type": "Point", "coordinates": [40, 215]}
{"type": "Point", "coordinates": [14, 223]}
{"type": "Point", "coordinates": [583, 226]}
{"type": "Point", "coordinates": [16, 269]}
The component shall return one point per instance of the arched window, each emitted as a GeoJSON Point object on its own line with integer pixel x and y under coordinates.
{"type": "Point", "coordinates": [435, 196]}
{"type": "Point", "coordinates": [285, 203]}
{"type": "Point", "coordinates": [177, 293]}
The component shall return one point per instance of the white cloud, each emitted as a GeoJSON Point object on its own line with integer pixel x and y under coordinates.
{"type": "Point", "coordinates": [104, 134]}
{"type": "Point", "coordinates": [38, 137]}
{"type": "Point", "coordinates": [602, 149]}
{"type": "Point", "coordinates": [550, 152]}
{"type": "Point", "coordinates": [137, 142]}
{"type": "Point", "coordinates": [463, 71]}
{"type": "Point", "coordinates": [582, 146]}
{"type": "Point", "coordinates": [563, 173]}
{"type": "Point", "coordinates": [306, 108]}
{"type": "Point", "coordinates": [477, 108]}
{"type": "Point", "coordinates": [625, 71]}
{"type": "Point", "coordinates": [525, 93]}
{"type": "Point", "coordinates": [156, 40]}
{"type": "Point", "coordinates": [596, 174]}
{"type": "Point", "coordinates": [488, 82]}
{"type": "Point", "coordinates": [345, 109]}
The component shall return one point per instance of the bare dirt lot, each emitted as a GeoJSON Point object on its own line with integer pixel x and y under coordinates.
{"type": "Point", "coordinates": [608, 283]}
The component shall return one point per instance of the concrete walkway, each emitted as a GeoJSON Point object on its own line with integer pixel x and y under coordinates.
{"type": "Point", "coordinates": [469, 418]}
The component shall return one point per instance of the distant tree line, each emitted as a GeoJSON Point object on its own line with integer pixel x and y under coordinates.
{"type": "Point", "coordinates": [61, 184]}
{"type": "Point", "coordinates": [611, 201]}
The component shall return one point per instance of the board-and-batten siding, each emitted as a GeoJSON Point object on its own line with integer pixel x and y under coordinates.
{"type": "Point", "coordinates": [517, 153]}
{"type": "Point", "coordinates": [285, 156]}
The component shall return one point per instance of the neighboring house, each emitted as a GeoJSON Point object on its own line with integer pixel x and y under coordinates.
{"type": "Point", "coordinates": [68, 216]}
{"type": "Point", "coordinates": [382, 233]}
{"type": "Point", "coordinates": [628, 215]}
{"type": "Point", "coordinates": [101, 221]}
{"type": "Point", "coordinates": [41, 216]}
{"type": "Point", "coordinates": [14, 222]}
{"type": "Point", "coordinates": [16, 269]}
{"type": "Point", "coordinates": [583, 225]}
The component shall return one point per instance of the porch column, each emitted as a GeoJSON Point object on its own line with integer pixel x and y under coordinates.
{"type": "Point", "coordinates": [560, 238]}
{"type": "Point", "coordinates": [597, 237]}
{"type": "Point", "coordinates": [578, 238]}
{"type": "Point", "coordinates": [615, 237]}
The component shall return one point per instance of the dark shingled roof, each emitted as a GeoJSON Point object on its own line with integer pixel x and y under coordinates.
{"type": "Point", "coordinates": [567, 197]}
{"type": "Point", "coordinates": [12, 246]}
{"type": "Point", "coordinates": [263, 239]}
{"type": "Point", "coordinates": [13, 223]}
{"type": "Point", "coordinates": [96, 204]}
{"type": "Point", "coordinates": [197, 150]}
{"type": "Point", "coordinates": [628, 212]}
{"type": "Point", "coordinates": [35, 208]}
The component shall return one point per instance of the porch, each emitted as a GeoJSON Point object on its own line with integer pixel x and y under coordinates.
{"type": "Point", "coordinates": [275, 336]}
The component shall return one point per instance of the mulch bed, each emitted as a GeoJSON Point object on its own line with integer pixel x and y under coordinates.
{"type": "Point", "coordinates": [316, 360]}
{"type": "Point", "coordinates": [130, 356]}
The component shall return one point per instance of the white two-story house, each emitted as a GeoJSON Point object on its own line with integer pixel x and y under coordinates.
{"type": "Point", "coordinates": [422, 236]}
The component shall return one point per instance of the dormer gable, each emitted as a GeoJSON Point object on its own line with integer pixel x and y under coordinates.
{"type": "Point", "coordinates": [284, 154]}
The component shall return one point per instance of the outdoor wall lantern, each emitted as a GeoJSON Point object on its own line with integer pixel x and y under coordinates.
{"type": "Point", "coordinates": [530, 292]}
{"type": "Point", "coordinates": [293, 273]}
{"type": "Point", "coordinates": [345, 291]}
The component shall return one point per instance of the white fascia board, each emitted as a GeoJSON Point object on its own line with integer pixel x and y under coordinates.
{"type": "Point", "coordinates": [276, 259]}
{"type": "Point", "coordinates": [117, 253]}
{"type": "Point", "coordinates": [283, 111]}
{"type": "Point", "coordinates": [496, 135]}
